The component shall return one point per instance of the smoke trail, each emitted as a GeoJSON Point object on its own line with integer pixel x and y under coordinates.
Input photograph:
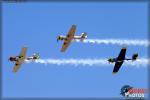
{"type": "Point", "coordinates": [117, 42]}
{"type": "Point", "coordinates": [75, 62]}
{"type": "Point", "coordinates": [138, 63]}
{"type": "Point", "coordinates": [91, 62]}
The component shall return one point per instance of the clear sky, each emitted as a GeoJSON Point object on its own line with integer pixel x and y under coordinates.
{"type": "Point", "coordinates": [36, 25]}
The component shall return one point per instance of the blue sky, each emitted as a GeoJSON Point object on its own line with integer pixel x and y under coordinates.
{"type": "Point", "coordinates": [36, 25]}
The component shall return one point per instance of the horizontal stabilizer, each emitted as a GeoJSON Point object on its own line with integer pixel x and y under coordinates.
{"type": "Point", "coordinates": [135, 56]}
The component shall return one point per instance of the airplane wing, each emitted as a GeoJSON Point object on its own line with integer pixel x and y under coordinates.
{"type": "Point", "coordinates": [120, 60]}
{"type": "Point", "coordinates": [117, 66]}
{"type": "Point", "coordinates": [122, 54]}
{"type": "Point", "coordinates": [69, 38]}
{"type": "Point", "coordinates": [20, 59]}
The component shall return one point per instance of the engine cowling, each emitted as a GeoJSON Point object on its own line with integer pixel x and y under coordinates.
{"type": "Point", "coordinates": [111, 60]}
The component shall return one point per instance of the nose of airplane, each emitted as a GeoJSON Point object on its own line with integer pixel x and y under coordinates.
{"type": "Point", "coordinates": [58, 37]}
{"type": "Point", "coordinates": [10, 58]}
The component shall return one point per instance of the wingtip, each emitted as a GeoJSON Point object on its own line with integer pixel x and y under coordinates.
{"type": "Point", "coordinates": [74, 25]}
{"type": "Point", "coordinates": [62, 50]}
{"type": "Point", "coordinates": [114, 72]}
{"type": "Point", "coordinates": [14, 71]}
{"type": "Point", "coordinates": [124, 48]}
{"type": "Point", "coordinates": [24, 46]}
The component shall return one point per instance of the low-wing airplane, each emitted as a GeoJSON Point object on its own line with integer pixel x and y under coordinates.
{"type": "Point", "coordinates": [70, 36]}
{"type": "Point", "coordinates": [22, 58]}
{"type": "Point", "coordinates": [120, 59]}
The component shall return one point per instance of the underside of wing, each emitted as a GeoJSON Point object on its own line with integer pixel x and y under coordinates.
{"type": "Point", "coordinates": [23, 52]}
{"type": "Point", "coordinates": [122, 54]}
{"type": "Point", "coordinates": [69, 38]}
{"type": "Point", "coordinates": [117, 66]}
{"type": "Point", "coordinates": [65, 45]}
{"type": "Point", "coordinates": [20, 59]}
{"type": "Point", "coordinates": [17, 65]}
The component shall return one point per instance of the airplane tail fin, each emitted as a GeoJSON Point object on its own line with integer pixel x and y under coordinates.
{"type": "Point", "coordinates": [84, 35]}
{"type": "Point", "coordinates": [36, 56]}
{"type": "Point", "coordinates": [135, 56]}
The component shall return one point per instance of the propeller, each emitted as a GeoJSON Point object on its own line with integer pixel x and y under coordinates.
{"type": "Point", "coordinates": [58, 38]}
{"type": "Point", "coordinates": [110, 60]}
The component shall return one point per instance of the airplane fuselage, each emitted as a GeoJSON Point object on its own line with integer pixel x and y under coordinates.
{"type": "Point", "coordinates": [13, 58]}
{"type": "Point", "coordinates": [116, 60]}
{"type": "Point", "coordinates": [76, 37]}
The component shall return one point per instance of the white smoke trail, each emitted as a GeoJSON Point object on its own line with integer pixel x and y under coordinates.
{"type": "Point", "coordinates": [91, 62]}
{"type": "Point", "coordinates": [75, 62]}
{"type": "Point", "coordinates": [117, 42]}
{"type": "Point", "coordinates": [138, 63]}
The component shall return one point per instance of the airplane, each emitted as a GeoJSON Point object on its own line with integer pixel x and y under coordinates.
{"type": "Point", "coordinates": [120, 59]}
{"type": "Point", "coordinates": [22, 58]}
{"type": "Point", "coordinates": [70, 36]}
